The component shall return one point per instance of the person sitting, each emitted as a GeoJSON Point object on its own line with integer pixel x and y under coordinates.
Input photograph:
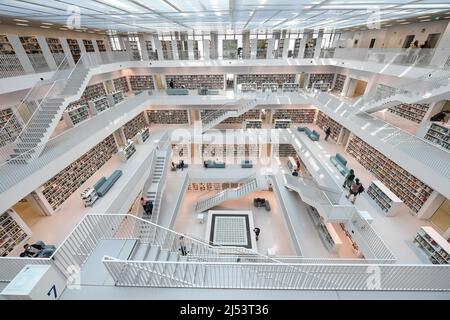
{"type": "Point", "coordinates": [171, 85]}
{"type": "Point", "coordinates": [439, 117]}
{"type": "Point", "coordinates": [295, 173]}
{"type": "Point", "coordinates": [32, 250]}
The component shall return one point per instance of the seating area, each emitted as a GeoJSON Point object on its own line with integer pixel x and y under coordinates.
{"type": "Point", "coordinates": [213, 164]}
{"type": "Point", "coordinates": [261, 203]}
{"type": "Point", "coordinates": [103, 185]}
{"type": "Point", "coordinates": [246, 164]}
{"type": "Point", "coordinates": [340, 163]}
{"type": "Point", "coordinates": [313, 135]}
{"type": "Point", "coordinates": [177, 91]}
{"type": "Point", "coordinates": [205, 91]}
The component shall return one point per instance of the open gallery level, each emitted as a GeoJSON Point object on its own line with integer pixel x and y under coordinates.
{"type": "Point", "coordinates": [242, 145]}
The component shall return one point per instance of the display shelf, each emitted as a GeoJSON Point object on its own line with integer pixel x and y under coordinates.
{"type": "Point", "coordinates": [439, 134]}
{"type": "Point", "coordinates": [413, 192]}
{"type": "Point", "coordinates": [115, 98]}
{"type": "Point", "coordinates": [282, 123]}
{"type": "Point", "coordinates": [315, 216]}
{"type": "Point", "coordinates": [75, 114]}
{"type": "Point", "coordinates": [121, 84]}
{"type": "Point", "coordinates": [296, 47]}
{"type": "Point", "coordinates": [98, 105]}
{"type": "Point", "coordinates": [143, 135]}
{"type": "Point", "coordinates": [101, 45]}
{"type": "Point", "coordinates": [252, 124]}
{"type": "Point", "coordinates": [74, 49]}
{"type": "Point", "coordinates": [251, 114]}
{"type": "Point", "coordinates": [127, 151]}
{"type": "Point", "coordinates": [434, 245]}
{"type": "Point", "coordinates": [339, 83]}
{"type": "Point", "coordinates": [12, 233]}
{"type": "Point", "coordinates": [93, 92]}
{"type": "Point", "coordinates": [290, 87]}
{"type": "Point", "coordinates": [89, 196]}
{"type": "Point", "coordinates": [132, 127]}
{"type": "Point", "coordinates": [33, 49]}
{"type": "Point", "coordinates": [88, 45]}
{"type": "Point", "coordinates": [166, 46]}
{"type": "Point", "coordinates": [5, 45]}
{"type": "Point", "coordinates": [295, 115]}
{"type": "Point", "coordinates": [324, 79]}
{"type": "Point", "coordinates": [259, 79]}
{"type": "Point", "coordinates": [10, 126]}
{"type": "Point", "coordinates": [65, 183]}
{"type": "Point", "coordinates": [135, 50]}
{"type": "Point", "coordinates": [324, 122]}
{"type": "Point", "coordinates": [214, 151]}
{"type": "Point", "coordinates": [139, 83]}
{"type": "Point", "coordinates": [249, 87]}
{"type": "Point", "coordinates": [283, 150]}
{"type": "Point", "coordinates": [329, 236]}
{"type": "Point", "coordinates": [413, 112]}
{"type": "Point", "coordinates": [209, 81]}
{"type": "Point", "coordinates": [267, 86]}
{"type": "Point", "coordinates": [384, 198]}
{"type": "Point", "coordinates": [168, 116]}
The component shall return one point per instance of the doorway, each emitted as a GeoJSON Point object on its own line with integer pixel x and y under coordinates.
{"type": "Point", "coordinates": [441, 218]}
{"type": "Point", "coordinates": [230, 81]}
{"type": "Point", "coordinates": [433, 39]}
{"type": "Point", "coordinates": [356, 88]}
{"type": "Point", "coordinates": [408, 40]}
{"type": "Point", "coordinates": [345, 135]}
{"type": "Point", "coordinates": [372, 43]}
{"type": "Point", "coordinates": [158, 82]}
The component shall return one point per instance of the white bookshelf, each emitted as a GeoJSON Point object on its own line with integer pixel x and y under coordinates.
{"type": "Point", "coordinates": [141, 82]}
{"type": "Point", "coordinates": [439, 134]}
{"type": "Point", "coordinates": [13, 232]}
{"type": "Point", "coordinates": [282, 123]}
{"type": "Point", "coordinates": [98, 105]}
{"type": "Point", "coordinates": [322, 80]}
{"type": "Point", "coordinates": [10, 126]}
{"type": "Point", "coordinates": [268, 86]}
{"type": "Point", "coordinates": [132, 127]}
{"type": "Point", "coordinates": [384, 199]}
{"type": "Point", "coordinates": [76, 114]}
{"type": "Point", "coordinates": [249, 87]}
{"type": "Point", "coordinates": [121, 84]}
{"type": "Point", "coordinates": [315, 216]}
{"type": "Point", "coordinates": [434, 245]}
{"type": "Point", "coordinates": [259, 79]}
{"type": "Point", "coordinates": [339, 82]}
{"type": "Point", "coordinates": [143, 135]}
{"type": "Point", "coordinates": [252, 124]}
{"type": "Point", "coordinates": [210, 81]}
{"type": "Point", "coordinates": [303, 115]}
{"type": "Point", "coordinates": [290, 87]}
{"type": "Point", "coordinates": [414, 112]}
{"type": "Point", "coordinates": [127, 151]}
{"type": "Point", "coordinates": [168, 116]}
{"type": "Point", "coordinates": [89, 196]}
{"type": "Point", "coordinates": [115, 98]}
{"type": "Point", "coordinates": [329, 236]}
{"type": "Point", "coordinates": [323, 122]}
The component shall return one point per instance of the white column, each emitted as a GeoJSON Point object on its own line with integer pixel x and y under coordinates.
{"type": "Point", "coordinates": [318, 45]}
{"type": "Point", "coordinates": [254, 47]}
{"type": "Point", "coordinates": [286, 47]}
{"type": "Point", "coordinates": [441, 55]}
{"type": "Point", "coordinates": [431, 205]}
{"type": "Point", "coordinates": [44, 205]}
{"type": "Point", "coordinates": [301, 50]}
{"type": "Point", "coordinates": [20, 53]}
{"type": "Point", "coordinates": [144, 52]}
{"type": "Point", "coordinates": [94, 44]}
{"type": "Point", "coordinates": [46, 52]}
{"type": "Point", "coordinates": [191, 49]}
{"type": "Point", "coordinates": [270, 48]}
{"type": "Point", "coordinates": [158, 47]}
{"type": "Point", "coordinates": [67, 52]}
{"type": "Point", "coordinates": [81, 45]}
{"type": "Point", "coordinates": [206, 44]}
{"type": "Point", "coordinates": [345, 86]}
{"type": "Point", "coordinates": [175, 50]}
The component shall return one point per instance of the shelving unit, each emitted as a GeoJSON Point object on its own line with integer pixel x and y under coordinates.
{"type": "Point", "coordinates": [252, 124]}
{"type": "Point", "coordinates": [115, 98]}
{"type": "Point", "coordinates": [132, 127]}
{"type": "Point", "coordinates": [152, 55]}
{"type": "Point", "coordinates": [295, 115]}
{"type": "Point", "coordinates": [413, 112]}
{"type": "Point", "coordinates": [296, 47]}
{"type": "Point", "coordinates": [315, 216]}
{"type": "Point", "coordinates": [139, 83]}
{"type": "Point", "coordinates": [5, 46]}
{"type": "Point", "coordinates": [329, 236]}
{"type": "Point", "coordinates": [209, 81]}
{"type": "Point", "coordinates": [75, 114]}
{"type": "Point", "coordinates": [11, 65]}
{"type": "Point", "coordinates": [64, 184]}
{"type": "Point", "coordinates": [259, 79]}
{"type": "Point", "coordinates": [439, 134]}
{"type": "Point", "coordinates": [74, 49]}
{"type": "Point", "coordinates": [101, 45]}
{"type": "Point", "coordinates": [135, 50]}
{"type": "Point", "coordinates": [434, 245]}
{"type": "Point", "coordinates": [324, 122]}
{"type": "Point", "coordinates": [282, 123]}
{"type": "Point", "coordinates": [88, 46]}
{"type": "Point", "coordinates": [168, 116]}
{"type": "Point", "coordinates": [121, 84]}
{"type": "Point", "coordinates": [94, 91]}
{"type": "Point", "coordinates": [143, 135]}
{"type": "Point", "coordinates": [214, 151]}
{"type": "Point", "coordinates": [56, 49]}
{"type": "Point", "coordinates": [252, 114]}
{"type": "Point", "coordinates": [10, 126]}
{"type": "Point", "coordinates": [32, 48]}
{"type": "Point", "coordinates": [413, 192]}
{"type": "Point", "coordinates": [384, 198]}
{"type": "Point", "coordinates": [249, 87]}
{"type": "Point", "coordinates": [272, 87]}
{"type": "Point", "coordinates": [339, 83]}
{"type": "Point", "coordinates": [166, 46]}
{"type": "Point", "coordinates": [261, 49]}
{"type": "Point", "coordinates": [326, 79]}
{"type": "Point", "coordinates": [290, 87]}
{"type": "Point", "coordinates": [283, 150]}
{"type": "Point", "coordinates": [12, 233]}
{"type": "Point", "coordinates": [89, 196]}
{"type": "Point", "coordinates": [98, 105]}
{"type": "Point", "coordinates": [127, 151]}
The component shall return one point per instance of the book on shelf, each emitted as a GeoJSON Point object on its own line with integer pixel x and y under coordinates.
{"type": "Point", "coordinates": [435, 246]}
{"type": "Point", "coordinates": [13, 232]}
{"type": "Point", "coordinates": [132, 127]}
{"type": "Point", "coordinates": [290, 87]}
{"type": "Point", "coordinates": [259, 79]}
{"type": "Point", "coordinates": [384, 199]}
{"type": "Point", "coordinates": [115, 98]}
{"type": "Point", "coordinates": [98, 105]}
{"type": "Point", "coordinates": [323, 122]}
{"type": "Point", "coordinates": [121, 84]}
{"type": "Point", "coordinates": [143, 135]}
{"type": "Point", "coordinates": [88, 45]}
{"type": "Point", "coordinates": [74, 49]}
{"type": "Point", "coordinates": [75, 114]}
{"type": "Point", "coordinates": [101, 46]}
{"type": "Point", "coordinates": [439, 134]}
{"type": "Point", "coordinates": [168, 116]}
{"type": "Point", "coordinates": [339, 82]}
{"type": "Point", "coordinates": [282, 123]}
{"type": "Point", "coordinates": [209, 81]}
{"type": "Point", "coordinates": [127, 151]}
{"type": "Point", "coordinates": [295, 115]}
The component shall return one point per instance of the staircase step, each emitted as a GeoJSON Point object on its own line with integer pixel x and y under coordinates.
{"type": "Point", "coordinates": [140, 251]}
{"type": "Point", "coordinates": [153, 253]}
{"type": "Point", "coordinates": [163, 255]}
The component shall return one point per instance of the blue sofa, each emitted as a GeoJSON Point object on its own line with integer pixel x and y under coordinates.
{"type": "Point", "coordinates": [177, 91]}
{"type": "Point", "coordinates": [313, 135]}
{"type": "Point", "coordinates": [99, 183]}
{"type": "Point", "coordinates": [205, 91]}
{"type": "Point", "coordinates": [246, 164]}
{"type": "Point", "coordinates": [104, 188]}
{"type": "Point", "coordinates": [214, 164]}
{"type": "Point", "coordinates": [340, 163]}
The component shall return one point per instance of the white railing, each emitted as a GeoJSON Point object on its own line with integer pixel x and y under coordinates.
{"type": "Point", "coordinates": [161, 184]}
{"type": "Point", "coordinates": [10, 66]}
{"type": "Point", "coordinates": [11, 266]}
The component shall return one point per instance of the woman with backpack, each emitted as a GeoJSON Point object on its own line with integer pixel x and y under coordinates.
{"type": "Point", "coordinates": [349, 179]}
{"type": "Point", "coordinates": [355, 189]}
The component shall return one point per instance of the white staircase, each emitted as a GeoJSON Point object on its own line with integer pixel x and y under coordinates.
{"type": "Point", "coordinates": [252, 185]}
{"type": "Point", "coordinates": [31, 141]}
{"type": "Point", "coordinates": [218, 116]}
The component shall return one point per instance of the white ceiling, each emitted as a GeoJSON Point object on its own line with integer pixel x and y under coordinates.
{"type": "Point", "coordinates": [223, 15]}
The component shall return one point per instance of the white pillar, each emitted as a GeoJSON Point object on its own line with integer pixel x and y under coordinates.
{"type": "Point", "coordinates": [191, 49]}
{"type": "Point", "coordinates": [318, 45]}
{"type": "Point", "coordinates": [48, 56]}
{"type": "Point", "coordinates": [94, 44]}
{"type": "Point", "coordinates": [345, 86]}
{"type": "Point", "coordinates": [20, 53]}
{"type": "Point", "coordinates": [206, 44]}
{"type": "Point", "coordinates": [270, 48]}
{"type": "Point", "coordinates": [301, 50]}
{"type": "Point", "coordinates": [81, 45]}
{"type": "Point", "coordinates": [67, 52]}
{"type": "Point", "coordinates": [174, 49]}
{"type": "Point", "coordinates": [144, 53]}
{"type": "Point", "coordinates": [431, 205]}
{"type": "Point", "coordinates": [286, 47]}
{"type": "Point", "coordinates": [441, 53]}
{"type": "Point", "coordinates": [158, 47]}
{"type": "Point", "coordinates": [254, 47]}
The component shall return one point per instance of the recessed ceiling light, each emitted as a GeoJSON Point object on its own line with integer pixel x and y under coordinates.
{"type": "Point", "coordinates": [405, 22]}
{"type": "Point", "coordinates": [62, 28]}
{"type": "Point", "coordinates": [401, 20]}
{"type": "Point", "coordinates": [388, 25]}
{"type": "Point", "coordinates": [45, 27]}
{"type": "Point", "coordinates": [21, 20]}
{"type": "Point", "coordinates": [423, 17]}
{"type": "Point", "coordinates": [47, 23]}
{"type": "Point", "coordinates": [425, 20]}
{"type": "Point", "coordinates": [22, 24]}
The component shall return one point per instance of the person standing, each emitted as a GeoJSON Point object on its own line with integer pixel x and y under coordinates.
{"type": "Point", "coordinates": [171, 85]}
{"type": "Point", "coordinates": [182, 165]}
{"type": "Point", "coordinates": [144, 204]}
{"type": "Point", "coordinates": [149, 208]}
{"type": "Point", "coordinates": [327, 133]}
{"type": "Point", "coordinates": [183, 248]}
{"type": "Point", "coordinates": [349, 179]}
{"type": "Point", "coordinates": [355, 189]}
{"type": "Point", "coordinates": [257, 232]}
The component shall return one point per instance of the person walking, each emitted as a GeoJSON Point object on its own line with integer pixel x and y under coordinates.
{"type": "Point", "coordinates": [149, 208]}
{"type": "Point", "coordinates": [183, 248]}
{"type": "Point", "coordinates": [144, 204]}
{"type": "Point", "coordinates": [355, 189]}
{"type": "Point", "coordinates": [349, 179]}
{"type": "Point", "coordinates": [171, 85]}
{"type": "Point", "coordinates": [257, 232]}
{"type": "Point", "coordinates": [182, 165]}
{"type": "Point", "coordinates": [327, 133]}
